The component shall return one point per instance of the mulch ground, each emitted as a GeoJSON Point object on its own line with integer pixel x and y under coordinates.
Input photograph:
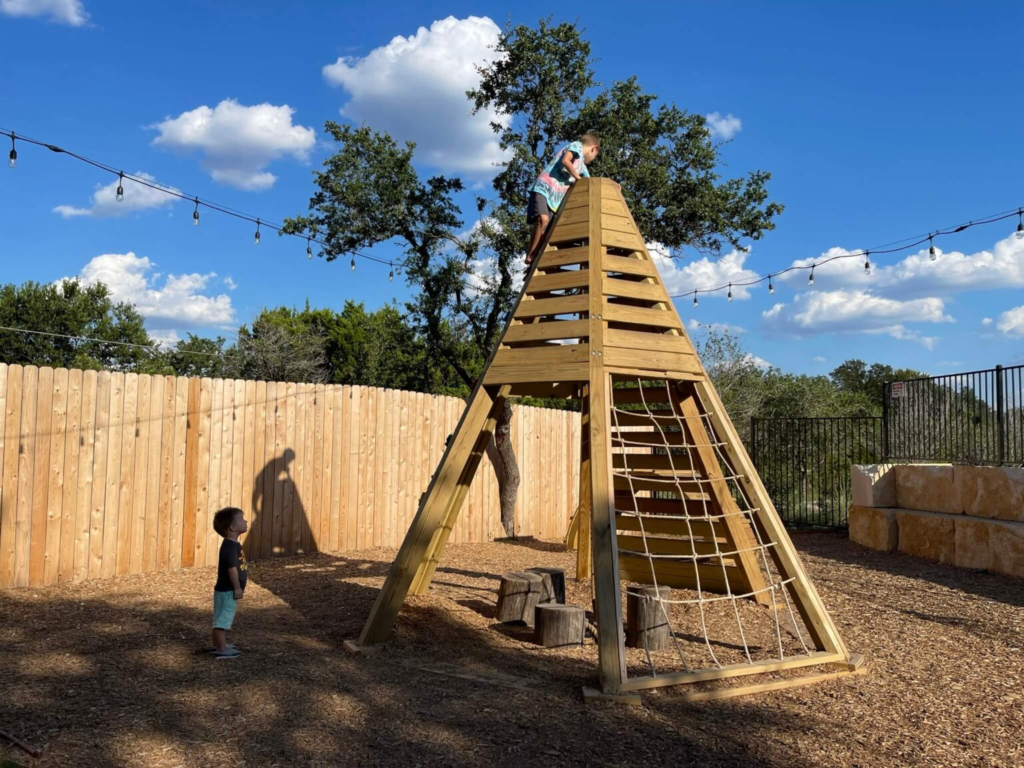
{"type": "Point", "coordinates": [106, 673]}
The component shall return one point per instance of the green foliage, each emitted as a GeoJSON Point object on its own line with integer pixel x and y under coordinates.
{"type": "Point", "coordinates": [856, 378]}
{"type": "Point", "coordinates": [73, 309]}
{"type": "Point", "coordinates": [197, 356]}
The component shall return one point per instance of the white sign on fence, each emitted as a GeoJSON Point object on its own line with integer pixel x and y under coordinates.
{"type": "Point", "coordinates": [897, 389]}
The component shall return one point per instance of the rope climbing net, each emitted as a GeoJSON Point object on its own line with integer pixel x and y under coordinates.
{"type": "Point", "coordinates": [687, 529]}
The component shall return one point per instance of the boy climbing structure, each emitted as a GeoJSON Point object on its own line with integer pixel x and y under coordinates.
{"type": "Point", "coordinates": [668, 496]}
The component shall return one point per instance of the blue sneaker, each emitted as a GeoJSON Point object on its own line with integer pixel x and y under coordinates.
{"type": "Point", "coordinates": [227, 653]}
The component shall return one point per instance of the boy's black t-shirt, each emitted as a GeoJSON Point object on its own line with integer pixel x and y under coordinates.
{"type": "Point", "coordinates": [231, 556]}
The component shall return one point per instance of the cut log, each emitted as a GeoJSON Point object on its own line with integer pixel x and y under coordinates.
{"type": "Point", "coordinates": [518, 596]}
{"type": "Point", "coordinates": [560, 625]}
{"type": "Point", "coordinates": [647, 618]}
{"type": "Point", "coordinates": [553, 590]}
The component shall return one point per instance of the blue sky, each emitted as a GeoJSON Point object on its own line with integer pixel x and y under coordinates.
{"type": "Point", "coordinates": [878, 121]}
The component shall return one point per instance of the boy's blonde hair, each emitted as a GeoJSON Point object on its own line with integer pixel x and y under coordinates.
{"type": "Point", "coordinates": [590, 138]}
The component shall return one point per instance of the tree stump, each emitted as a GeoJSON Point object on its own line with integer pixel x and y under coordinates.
{"type": "Point", "coordinates": [518, 596]}
{"type": "Point", "coordinates": [560, 625]}
{"type": "Point", "coordinates": [553, 590]}
{"type": "Point", "coordinates": [646, 618]}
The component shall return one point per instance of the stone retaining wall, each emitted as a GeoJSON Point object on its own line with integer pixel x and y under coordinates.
{"type": "Point", "coordinates": [972, 517]}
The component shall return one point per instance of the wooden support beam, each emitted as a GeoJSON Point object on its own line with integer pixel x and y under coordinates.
{"type": "Point", "coordinates": [733, 670]}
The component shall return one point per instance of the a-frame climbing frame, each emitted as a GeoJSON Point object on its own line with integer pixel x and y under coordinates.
{"type": "Point", "coordinates": [668, 495]}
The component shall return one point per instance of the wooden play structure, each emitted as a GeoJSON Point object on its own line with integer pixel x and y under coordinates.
{"type": "Point", "coordinates": [668, 496]}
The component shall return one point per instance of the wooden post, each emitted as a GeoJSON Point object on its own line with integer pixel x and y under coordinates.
{"type": "Point", "coordinates": [583, 542]}
{"type": "Point", "coordinates": [647, 624]}
{"type": "Point", "coordinates": [560, 626]}
{"type": "Point", "coordinates": [518, 595]}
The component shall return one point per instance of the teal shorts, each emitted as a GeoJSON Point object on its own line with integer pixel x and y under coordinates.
{"type": "Point", "coordinates": [224, 605]}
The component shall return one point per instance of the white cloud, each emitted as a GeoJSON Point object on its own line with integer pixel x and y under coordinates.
{"type": "Point", "coordinates": [723, 127]}
{"type": "Point", "coordinates": [986, 321]}
{"type": "Point", "coordinates": [180, 301]}
{"type": "Point", "coordinates": [818, 359]}
{"type": "Point", "coordinates": [855, 311]}
{"type": "Point", "coordinates": [918, 275]}
{"type": "Point", "coordinates": [760, 362]}
{"type": "Point", "coordinates": [696, 325]}
{"type": "Point", "coordinates": [137, 197]}
{"type": "Point", "coordinates": [1011, 322]}
{"type": "Point", "coordinates": [70, 12]}
{"type": "Point", "coordinates": [703, 273]}
{"type": "Point", "coordinates": [415, 89]}
{"type": "Point", "coordinates": [238, 142]}
{"type": "Point", "coordinates": [229, 283]}
{"type": "Point", "coordinates": [165, 338]}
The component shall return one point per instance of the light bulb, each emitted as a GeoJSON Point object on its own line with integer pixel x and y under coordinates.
{"type": "Point", "coordinates": [195, 213]}
{"type": "Point", "coordinates": [391, 274]}
{"type": "Point", "coordinates": [931, 249]}
{"type": "Point", "coordinates": [867, 262]}
{"type": "Point", "coordinates": [13, 157]}
{"type": "Point", "coordinates": [256, 240]}
{"type": "Point", "coordinates": [771, 288]}
{"type": "Point", "coordinates": [353, 264]}
{"type": "Point", "coordinates": [1020, 217]}
{"type": "Point", "coordinates": [730, 291]}
{"type": "Point", "coordinates": [120, 188]}
{"type": "Point", "coordinates": [695, 298]}
{"type": "Point", "coordinates": [309, 249]}
{"type": "Point", "coordinates": [810, 280]}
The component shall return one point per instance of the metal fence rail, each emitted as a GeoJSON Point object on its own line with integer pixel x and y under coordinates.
{"type": "Point", "coordinates": [805, 464]}
{"type": "Point", "coordinates": [961, 418]}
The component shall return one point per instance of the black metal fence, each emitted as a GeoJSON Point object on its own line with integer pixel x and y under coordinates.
{"type": "Point", "coordinates": [961, 418]}
{"type": "Point", "coordinates": [805, 464]}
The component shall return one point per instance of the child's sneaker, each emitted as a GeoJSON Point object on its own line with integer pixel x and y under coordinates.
{"type": "Point", "coordinates": [227, 653]}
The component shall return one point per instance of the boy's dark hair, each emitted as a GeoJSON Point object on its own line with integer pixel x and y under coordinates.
{"type": "Point", "coordinates": [223, 519]}
{"type": "Point", "coordinates": [590, 137]}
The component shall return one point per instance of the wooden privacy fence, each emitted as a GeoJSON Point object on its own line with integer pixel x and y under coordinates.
{"type": "Point", "coordinates": [104, 474]}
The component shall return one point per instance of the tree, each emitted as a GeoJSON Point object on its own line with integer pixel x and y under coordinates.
{"type": "Point", "coordinates": [370, 193]}
{"type": "Point", "coordinates": [273, 351]}
{"type": "Point", "coordinates": [71, 309]}
{"type": "Point", "coordinates": [197, 356]}
{"type": "Point", "coordinates": [858, 379]}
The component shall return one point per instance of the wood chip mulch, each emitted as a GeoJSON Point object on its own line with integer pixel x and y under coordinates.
{"type": "Point", "coordinates": [107, 673]}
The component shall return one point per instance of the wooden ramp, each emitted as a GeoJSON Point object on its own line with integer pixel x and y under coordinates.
{"type": "Point", "coordinates": [668, 495]}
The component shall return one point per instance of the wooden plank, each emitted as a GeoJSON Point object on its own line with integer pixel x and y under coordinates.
{"type": "Point", "coordinates": [353, 417]}
{"type": "Point", "coordinates": [166, 475]}
{"type": "Point", "coordinates": [653, 462]}
{"type": "Point", "coordinates": [775, 685]}
{"type": "Point", "coordinates": [713, 550]}
{"type": "Point", "coordinates": [179, 448]}
{"type": "Point", "coordinates": [608, 601]}
{"type": "Point", "coordinates": [649, 340]}
{"type": "Point", "coordinates": [98, 499]}
{"type": "Point", "coordinates": [112, 495]}
{"type": "Point", "coordinates": [611, 206]}
{"type": "Point", "coordinates": [277, 536]}
{"type": "Point", "coordinates": [3, 442]}
{"type": "Point", "coordinates": [338, 459]}
{"type": "Point", "coordinates": [204, 435]}
{"type": "Point", "coordinates": [618, 223]}
{"type": "Point", "coordinates": [86, 455]}
{"type": "Point", "coordinates": [317, 460]}
{"type": "Point", "coordinates": [578, 215]}
{"type": "Point", "coordinates": [40, 479]}
{"type": "Point", "coordinates": [669, 526]}
{"type": "Point", "coordinates": [656, 318]}
{"type": "Point", "coordinates": [212, 541]}
{"type": "Point", "coordinates": [666, 363]}
{"type": "Point", "coordinates": [288, 523]}
{"type": "Point", "coordinates": [227, 445]}
{"type": "Point", "coordinates": [555, 258]}
{"type": "Point", "coordinates": [559, 305]}
{"type": "Point", "coordinates": [555, 356]}
{"type": "Point", "coordinates": [269, 510]}
{"type": "Point", "coordinates": [498, 375]}
{"type": "Point", "coordinates": [628, 439]}
{"type": "Point", "coordinates": [297, 419]}
{"type": "Point", "coordinates": [238, 470]}
{"type": "Point", "coordinates": [126, 474]}
{"type": "Point", "coordinates": [679, 575]}
{"type": "Point", "coordinates": [732, 670]}
{"type": "Point", "coordinates": [653, 397]}
{"type": "Point", "coordinates": [630, 289]}
{"type": "Point", "coordinates": [26, 484]}
{"type": "Point", "coordinates": [11, 458]}
{"type": "Point", "coordinates": [564, 233]}
{"type": "Point", "coordinates": [55, 470]}
{"type": "Point", "coordinates": [546, 331]}
{"type": "Point", "coordinates": [629, 265]}
{"type": "Point", "coordinates": [156, 410]}
{"type": "Point", "coordinates": [254, 542]}
{"type": "Point", "coordinates": [612, 239]}
{"type": "Point", "coordinates": [72, 450]}
{"type": "Point", "coordinates": [190, 513]}
{"type": "Point", "coordinates": [665, 484]}
{"type": "Point", "coordinates": [559, 281]}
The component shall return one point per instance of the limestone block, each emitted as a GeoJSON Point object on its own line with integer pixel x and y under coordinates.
{"type": "Point", "coordinates": [927, 535]}
{"type": "Point", "coordinates": [991, 545]}
{"type": "Point", "coordinates": [994, 492]}
{"type": "Point", "coordinates": [873, 527]}
{"type": "Point", "coordinates": [873, 485]}
{"type": "Point", "coordinates": [927, 487]}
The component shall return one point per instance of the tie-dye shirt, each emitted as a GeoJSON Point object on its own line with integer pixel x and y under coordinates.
{"type": "Point", "coordinates": [554, 180]}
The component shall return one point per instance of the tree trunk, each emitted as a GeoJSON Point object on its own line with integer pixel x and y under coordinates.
{"type": "Point", "coordinates": [506, 469]}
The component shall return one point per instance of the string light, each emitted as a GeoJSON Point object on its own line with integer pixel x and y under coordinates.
{"type": "Point", "coordinates": [810, 280]}
{"type": "Point", "coordinates": [771, 288]}
{"type": "Point", "coordinates": [1020, 223]}
{"type": "Point", "coordinates": [931, 249]}
{"type": "Point", "coordinates": [730, 291]}
{"type": "Point", "coordinates": [867, 262]}
{"type": "Point", "coordinates": [391, 274]}
{"type": "Point", "coordinates": [120, 187]}
{"type": "Point", "coordinates": [257, 239]}
{"type": "Point", "coordinates": [309, 249]}
{"type": "Point", "coordinates": [353, 265]}
{"type": "Point", "coordinates": [695, 298]}
{"type": "Point", "coordinates": [13, 157]}
{"type": "Point", "coordinates": [195, 213]}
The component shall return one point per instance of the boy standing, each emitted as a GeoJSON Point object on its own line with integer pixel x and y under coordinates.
{"type": "Point", "coordinates": [232, 573]}
{"type": "Point", "coordinates": [569, 165]}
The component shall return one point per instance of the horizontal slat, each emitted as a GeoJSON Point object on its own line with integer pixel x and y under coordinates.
{"type": "Point", "coordinates": [615, 207]}
{"type": "Point", "coordinates": [520, 374]}
{"type": "Point", "coordinates": [553, 258]}
{"type": "Point", "coordinates": [644, 360]}
{"type": "Point", "coordinates": [679, 575]}
{"type": "Point", "coordinates": [657, 340]}
{"type": "Point", "coordinates": [617, 223]}
{"type": "Point", "coordinates": [733, 670]}
{"type": "Point", "coordinates": [560, 281]}
{"type": "Point", "coordinates": [650, 395]}
{"type": "Point", "coordinates": [651, 462]}
{"type": "Point", "coordinates": [612, 239]}
{"type": "Point", "coordinates": [686, 547]}
{"type": "Point", "coordinates": [642, 419]}
{"type": "Point", "coordinates": [555, 329]}
{"type": "Point", "coordinates": [666, 484]}
{"type": "Point", "coordinates": [544, 389]}
{"type": "Point", "coordinates": [560, 305]}
{"type": "Point", "coordinates": [623, 503]}
{"type": "Point", "coordinates": [560, 354]}
{"type": "Point", "coordinates": [647, 437]}
{"type": "Point", "coordinates": [629, 265]}
{"type": "Point", "coordinates": [630, 289]}
{"type": "Point", "coordinates": [657, 318]}
{"type": "Point", "coordinates": [575, 215]}
{"type": "Point", "coordinates": [565, 232]}
{"type": "Point", "coordinates": [672, 527]}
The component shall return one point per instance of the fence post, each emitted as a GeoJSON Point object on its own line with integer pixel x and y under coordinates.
{"type": "Point", "coordinates": [885, 421]}
{"type": "Point", "coordinates": [1000, 422]}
